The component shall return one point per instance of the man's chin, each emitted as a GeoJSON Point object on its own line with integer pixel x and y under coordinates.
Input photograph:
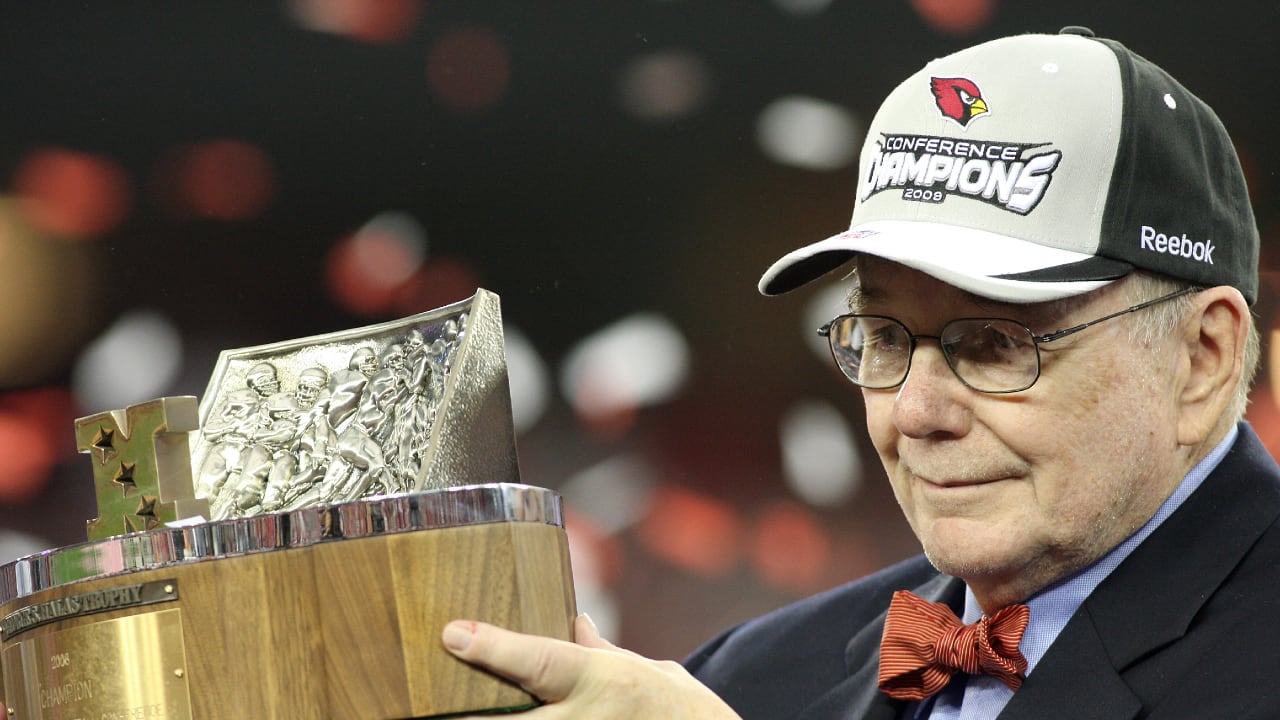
{"type": "Point", "coordinates": [959, 549]}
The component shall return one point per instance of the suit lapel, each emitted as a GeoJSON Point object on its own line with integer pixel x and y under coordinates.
{"type": "Point", "coordinates": [1075, 680]}
{"type": "Point", "coordinates": [858, 697]}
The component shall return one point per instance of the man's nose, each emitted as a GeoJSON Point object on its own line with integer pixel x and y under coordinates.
{"type": "Point", "coordinates": [932, 400]}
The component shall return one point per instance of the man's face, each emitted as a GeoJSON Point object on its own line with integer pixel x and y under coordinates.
{"type": "Point", "coordinates": [309, 390]}
{"type": "Point", "coordinates": [264, 384]}
{"type": "Point", "coordinates": [1011, 492]}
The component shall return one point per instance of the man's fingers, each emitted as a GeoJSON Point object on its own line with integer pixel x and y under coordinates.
{"type": "Point", "coordinates": [586, 634]}
{"type": "Point", "coordinates": [547, 668]}
{"type": "Point", "coordinates": [586, 678]}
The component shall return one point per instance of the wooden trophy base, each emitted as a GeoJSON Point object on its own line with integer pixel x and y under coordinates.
{"type": "Point", "coordinates": [332, 612]}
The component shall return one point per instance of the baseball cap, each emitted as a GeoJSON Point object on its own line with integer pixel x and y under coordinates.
{"type": "Point", "coordinates": [1037, 167]}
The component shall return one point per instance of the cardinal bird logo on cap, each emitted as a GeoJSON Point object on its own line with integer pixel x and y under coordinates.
{"type": "Point", "coordinates": [958, 98]}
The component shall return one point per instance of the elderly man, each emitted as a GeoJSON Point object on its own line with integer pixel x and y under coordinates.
{"type": "Point", "coordinates": [1053, 257]}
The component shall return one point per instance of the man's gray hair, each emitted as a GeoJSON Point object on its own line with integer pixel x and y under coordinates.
{"type": "Point", "coordinates": [1163, 319]}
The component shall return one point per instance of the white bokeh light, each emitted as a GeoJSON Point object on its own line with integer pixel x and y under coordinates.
{"type": "Point", "coordinates": [614, 493]}
{"type": "Point", "coordinates": [15, 544]}
{"type": "Point", "coordinates": [803, 7]}
{"type": "Point", "coordinates": [528, 377]}
{"type": "Point", "coordinates": [664, 85]}
{"type": "Point", "coordinates": [595, 600]}
{"type": "Point", "coordinates": [808, 133]}
{"type": "Point", "coordinates": [639, 360]}
{"type": "Point", "coordinates": [820, 460]}
{"type": "Point", "coordinates": [135, 360]}
{"type": "Point", "coordinates": [831, 300]}
{"type": "Point", "coordinates": [389, 248]}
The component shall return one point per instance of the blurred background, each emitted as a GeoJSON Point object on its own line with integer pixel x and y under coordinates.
{"type": "Point", "coordinates": [182, 178]}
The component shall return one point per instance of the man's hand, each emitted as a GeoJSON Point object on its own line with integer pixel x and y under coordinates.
{"type": "Point", "coordinates": [586, 679]}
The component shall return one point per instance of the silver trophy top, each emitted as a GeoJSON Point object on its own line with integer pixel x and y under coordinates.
{"type": "Point", "coordinates": [369, 517]}
{"type": "Point", "coordinates": [405, 406]}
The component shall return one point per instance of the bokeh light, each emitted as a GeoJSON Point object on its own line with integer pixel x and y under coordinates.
{"type": "Point", "coordinates": [15, 544]}
{"type": "Point", "coordinates": [803, 7]}
{"type": "Point", "coordinates": [692, 530]}
{"type": "Point", "coordinates": [367, 269]}
{"type": "Point", "coordinates": [808, 133]}
{"type": "Point", "coordinates": [955, 17]}
{"type": "Point", "coordinates": [528, 377]}
{"type": "Point", "coordinates": [614, 493]}
{"type": "Point", "coordinates": [35, 431]}
{"type": "Point", "coordinates": [72, 194]}
{"type": "Point", "coordinates": [30, 456]}
{"type": "Point", "coordinates": [664, 85]}
{"type": "Point", "coordinates": [440, 282]}
{"type": "Point", "coordinates": [597, 564]}
{"type": "Point", "coordinates": [133, 361]}
{"type": "Point", "coordinates": [790, 549]}
{"type": "Point", "coordinates": [372, 21]}
{"type": "Point", "coordinates": [820, 459]}
{"type": "Point", "coordinates": [638, 361]}
{"type": "Point", "coordinates": [48, 299]}
{"type": "Point", "coordinates": [221, 179]}
{"type": "Point", "coordinates": [831, 300]}
{"type": "Point", "coordinates": [468, 69]}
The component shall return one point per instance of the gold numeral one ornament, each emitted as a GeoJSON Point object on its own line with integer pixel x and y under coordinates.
{"type": "Point", "coordinates": [141, 465]}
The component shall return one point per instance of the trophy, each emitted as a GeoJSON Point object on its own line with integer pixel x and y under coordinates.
{"type": "Point", "coordinates": [291, 546]}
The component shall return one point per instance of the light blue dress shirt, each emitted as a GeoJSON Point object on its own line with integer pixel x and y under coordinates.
{"type": "Point", "coordinates": [982, 697]}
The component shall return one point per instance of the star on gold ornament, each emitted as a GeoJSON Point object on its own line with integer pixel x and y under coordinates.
{"type": "Point", "coordinates": [124, 477]}
{"type": "Point", "coordinates": [147, 507]}
{"type": "Point", "coordinates": [104, 442]}
{"type": "Point", "coordinates": [144, 518]}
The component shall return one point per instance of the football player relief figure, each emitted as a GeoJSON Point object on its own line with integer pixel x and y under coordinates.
{"type": "Point", "coordinates": [351, 421]}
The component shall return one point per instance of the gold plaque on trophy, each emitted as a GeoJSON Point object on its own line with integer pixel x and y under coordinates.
{"type": "Point", "coordinates": [295, 550]}
{"type": "Point", "coordinates": [145, 676]}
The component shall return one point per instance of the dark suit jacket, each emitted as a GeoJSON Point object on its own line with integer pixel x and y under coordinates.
{"type": "Point", "coordinates": [1188, 626]}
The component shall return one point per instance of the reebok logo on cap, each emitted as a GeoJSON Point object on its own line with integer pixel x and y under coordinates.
{"type": "Point", "coordinates": [1153, 241]}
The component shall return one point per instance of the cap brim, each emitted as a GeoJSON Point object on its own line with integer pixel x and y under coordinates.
{"type": "Point", "coordinates": [993, 266]}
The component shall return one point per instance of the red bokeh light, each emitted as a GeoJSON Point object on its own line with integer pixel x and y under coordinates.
{"type": "Point", "coordinates": [955, 17]}
{"type": "Point", "coordinates": [693, 531]}
{"type": "Point", "coordinates": [468, 69]}
{"type": "Point", "coordinates": [35, 431]}
{"type": "Point", "coordinates": [608, 420]}
{"type": "Point", "coordinates": [375, 272]}
{"type": "Point", "coordinates": [373, 21]}
{"type": "Point", "coordinates": [30, 456]}
{"type": "Point", "coordinates": [438, 283]}
{"type": "Point", "coordinates": [72, 194]}
{"type": "Point", "coordinates": [217, 180]}
{"type": "Point", "coordinates": [790, 549]}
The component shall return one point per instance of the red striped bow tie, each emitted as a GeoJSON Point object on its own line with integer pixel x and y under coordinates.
{"type": "Point", "coordinates": [925, 644]}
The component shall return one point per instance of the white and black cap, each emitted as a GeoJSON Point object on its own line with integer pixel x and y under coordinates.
{"type": "Point", "coordinates": [1037, 167]}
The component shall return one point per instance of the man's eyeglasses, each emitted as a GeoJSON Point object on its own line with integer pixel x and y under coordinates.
{"type": "Point", "coordinates": [990, 355]}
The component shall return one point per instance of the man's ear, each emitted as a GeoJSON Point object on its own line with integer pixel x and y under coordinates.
{"type": "Point", "coordinates": [1215, 335]}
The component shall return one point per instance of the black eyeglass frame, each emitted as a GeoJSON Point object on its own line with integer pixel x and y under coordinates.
{"type": "Point", "coordinates": [825, 331]}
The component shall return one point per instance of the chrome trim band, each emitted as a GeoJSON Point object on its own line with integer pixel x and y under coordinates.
{"type": "Point", "coordinates": [384, 515]}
